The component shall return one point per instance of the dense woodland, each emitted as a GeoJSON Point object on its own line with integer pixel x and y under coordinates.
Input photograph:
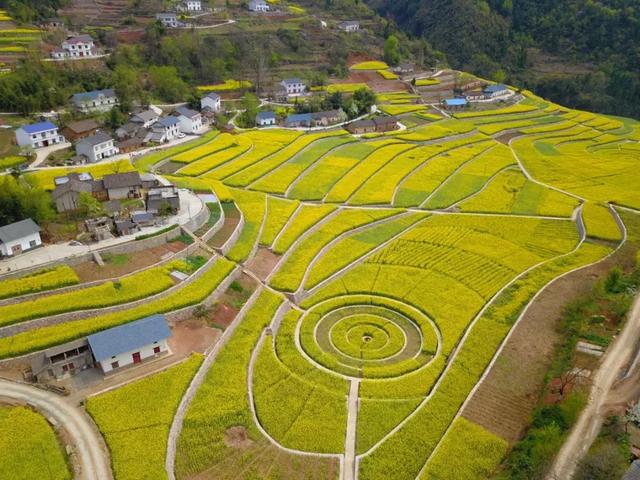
{"type": "Point", "coordinates": [494, 39]}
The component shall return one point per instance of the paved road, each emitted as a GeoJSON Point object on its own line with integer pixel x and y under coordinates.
{"type": "Point", "coordinates": [89, 446]}
{"type": "Point", "coordinates": [586, 429]}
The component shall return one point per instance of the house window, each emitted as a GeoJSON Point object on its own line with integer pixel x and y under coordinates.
{"type": "Point", "coordinates": [32, 243]}
{"type": "Point", "coordinates": [156, 349]}
{"type": "Point", "coordinates": [68, 367]}
{"type": "Point", "coordinates": [115, 365]}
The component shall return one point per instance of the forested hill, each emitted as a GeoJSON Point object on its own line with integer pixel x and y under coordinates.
{"type": "Point", "coordinates": [596, 42]}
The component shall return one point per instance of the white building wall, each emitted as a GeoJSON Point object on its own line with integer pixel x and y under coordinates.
{"type": "Point", "coordinates": [126, 358]}
{"type": "Point", "coordinates": [25, 243]}
{"type": "Point", "coordinates": [211, 103]}
{"type": "Point", "coordinates": [38, 140]}
{"type": "Point", "coordinates": [190, 125]}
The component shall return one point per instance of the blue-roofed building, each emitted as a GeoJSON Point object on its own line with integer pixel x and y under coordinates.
{"type": "Point", "coordinates": [298, 120]}
{"type": "Point", "coordinates": [165, 129]}
{"type": "Point", "coordinates": [493, 91]}
{"type": "Point", "coordinates": [38, 135]}
{"type": "Point", "coordinates": [455, 103]}
{"type": "Point", "coordinates": [264, 119]}
{"type": "Point", "coordinates": [130, 343]}
{"type": "Point", "coordinates": [97, 100]}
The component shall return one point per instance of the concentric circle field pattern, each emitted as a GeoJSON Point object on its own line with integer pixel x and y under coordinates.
{"type": "Point", "coordinates": [368, 337]}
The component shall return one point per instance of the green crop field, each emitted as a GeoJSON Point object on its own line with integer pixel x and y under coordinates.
{"type": "Point", "coordinates": [391, 268]}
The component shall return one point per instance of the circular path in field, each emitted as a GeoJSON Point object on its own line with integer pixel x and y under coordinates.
{"type": "Point", "coordinates": [368, 340]}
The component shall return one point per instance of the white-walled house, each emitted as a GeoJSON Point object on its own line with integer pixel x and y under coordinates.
{"type": "Point", "coordinates": [293, 86]}
{"type": "Point", "coordinates": [19, 237]}
{"type": "Point", "coordinates": [493, 91]}
{"type": "Point", "coordinates": [97, 100]}
{"type": "Point", "coordinates": [265, 119]}
{"type": "Point", "coordinates": [146, 118]}
{"type": "Point", "coordinates": [165, 129]}
{"type": "Point", "coordinates": [80, 46]}
{"type": "Point", "coordinates": [131, 343]}
{"type": "Point", "coordinates": [96, 147]}
{"type": "Point", "coordinates": [211, 101]}
{"type": "Point", "coordinates": [258, 6]}
{"type": "Point", "coordinates": [349, 26]}
{"type": "Point", "coordinates": [190, 6]}
{"type": "Point", "coordinates": [169, 19]}
{"type": "Point", "coordinates": [38, 135]}
{"type": "Point", "coordinates": [190, 120]}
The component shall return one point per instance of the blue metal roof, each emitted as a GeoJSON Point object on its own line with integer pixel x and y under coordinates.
{"type": "Point", "coordinates": [299, 117]}
{"type": "Point", "coordinates": [495, 88]}
{"type": "Point", "coordinates": [128, 337]}
{"type": "Point", "coordinates": [455, 102]}
{"type": "Point", "coordinates": [265, 115]}
{"type": "Point", "coordinates": [168, 121]}
{"type": "Point", "coordinates": [39, 127]}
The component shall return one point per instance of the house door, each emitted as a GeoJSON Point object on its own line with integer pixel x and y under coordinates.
{"type": "Point", "coordinates": [136, 357]}
{"type": "Point", "coordinates": [16, 249]}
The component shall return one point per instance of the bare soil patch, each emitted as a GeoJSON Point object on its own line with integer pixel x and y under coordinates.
{"type": "Point", "coordinates": [506, 137]}
{"type": "Point", "coordinates": [504, 401]}
{"type": "Point", "coordinates": [231, 220]}
{"type": "Point", "coordinates": [122, 265]}
{"type": "Point", "coordinates": [192, 335]}
{"type": "Point", "coordinates": [263, 263]}
{"type": "Point", "coordinates": [236, 437]}
{"type": "Point", "coordinates": [170, 167]}
{"type": "Point", "coordinates": [230, 302]}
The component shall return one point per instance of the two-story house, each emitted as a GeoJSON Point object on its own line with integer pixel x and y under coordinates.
{"type": "Point", "coordinates": [168, 19]}
{"type": "Point", "coordinates": [190, 6]}
{"type": "Point", "coordinates": [211, 101]}
{"type": "Point", "coordinates": [38, 135]}
{"type": "Point", "coordinates": [80, 46]}
{"type": "Point", "coordinates": [293, 86]}
{"type": "Point", "coordinates": [349, 26]}
{"type": "Point", "coordinates": [165, 129]}
{"type": "Point", "coordinates": [97, 100]}
{"type": "Point", "coordinates": [260, 6]}
{"type": "Point", "coordinates": [190, 120]}
{"type": "Point", "coordinates": [97, 147]}
{"type": "Point", "coordinates": [146, 118]}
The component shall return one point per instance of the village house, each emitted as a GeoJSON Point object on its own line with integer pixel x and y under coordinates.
{"type": "Point", "coordinates": [131, 343]}
{"type": "Point", "coordinates": [97, 147]}
{"type": "Point", "coordinates": [374, 125]}
{"type": "Point", "coordinates": [455, 103]}
{"type": "Point", "coordinates": [80, 129]}
{"type": "Point", "coordinates": [97, 100]}
{"type": "Point", "coordinates": [126, 227]}
{"type": "Point", "coordinates": [349, 26]}
{"type": "Point", "coordinates": [81, 46]}
{"type": "Point", "coordinates": [168, 19]}
{"type": "Point", "coordinates": [19, 237]}
{"type": "Point", "coordinates": [190, 120]}
{"type": "Point", "coordinates": [264, 119]}
{"type": "Point", "coordinates": [293, 86]}
{"type": "Point", "coordinates": [165, 129]}
{"type": "Point", "coordinates": [99, 228]}
{"type": "Point", "coordinates": [145, 118]}
{"type": "Point", "coordinates": [403, 68]}
{"type": "Point", "coordinates": [260, 6]}
{"type": "Point", "coordinates": [493, 91]}
{"type": "Point", "coordinates": [62, 361]}
{"type": "Point", "coordinates": [122, 185]}
{"type": "Point", "coordinates": [156, 197]}
{"type": "Point", "coordinates": [211, 101]}
{"type": "Point", "coordinates": [52, 24]}
{"type": "Point", "coordinates": [149, 181]}
{"type": "Point", "coordinates": [144, 219]}
{"type": "Point", "coordinates": [474, 95]}
{"type": "Point", "coordinates": [38, 135]}
{"type": "Point", "coordinates": [361, 127]}
{"type": "Point", "coordinates": [329, 117]}
{"type": "Point", "coordinates": [66, 194]}
{"type": "Point", "coordinates": [190, 6]}
{"type": "Point", "coordinates": [296, 120]}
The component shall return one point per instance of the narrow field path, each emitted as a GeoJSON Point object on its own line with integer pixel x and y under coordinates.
{"type": "Point", "coordinates": [89, 445]}
{"type": "Point", "coordinates": [588, 425]}
{"type": "Point", "coordinates": [349, 464]}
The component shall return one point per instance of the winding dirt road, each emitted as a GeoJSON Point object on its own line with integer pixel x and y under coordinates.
{"type": "Point", "coordinates": [588, 425]}
{"type": "Point", "coordinates": [92, 457]}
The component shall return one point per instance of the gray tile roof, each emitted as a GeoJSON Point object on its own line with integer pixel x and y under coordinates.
{"type": "Point", "coordinates": [187, 112]}
{"type": "Point", "coordinates": [17, 230]}
{"type": "Point", "coordinates": [633, 472]}
{"type": "Point", "coordinates": [128, 337]}
{"type": "Point", "coordinates": [96, 139]}
{"type": "Point", "coordinates": [120, 180]}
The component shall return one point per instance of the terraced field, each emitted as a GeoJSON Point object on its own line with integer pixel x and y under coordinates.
{"type": "Point", "coordinates": [401, 263]}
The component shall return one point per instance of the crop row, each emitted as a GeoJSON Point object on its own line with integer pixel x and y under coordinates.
{"type": "Point", "coordinates": [147, 161]}
{"type": "Point", "coordinates": [424, 133]}
{"type": "Point", "coordinates": [518, 108]}
{"type": "Point", "coordinates": [57, 277]}
{"type": "Point", "coordinates": [387, 75]}
{"type": "Point", "coordinates": [221, 402]}
{"type": "Point", "coordinates": [239, 146]}
{"type": "Point", "coordinates": [252, 205]}
{"type": "Point", "coordinates": [44, 178]}
{"type": "Point", "coordinates": [319, 179]}
{"type": "Point", "coordinates": [45, 337]}
{"type": "Point", "coordinates": [137, 440]}
{"type": "Point", "coordinates": [279, 211]}
{"type": "Point", "coordinates": [127, 289]}
{"type": "Point", "coordinates": [29, 446]}
{"type": "Point", "coordinates": [600, 223]}
{"type": "Point", "coordinates": [291, 273]}
{"type": "Point", "coordinates": [296, 413]}
{"type": "Point", "coordinates": [279, 180]}
{"type": "Point", "coordinates": [305, 218]}
{"type": "Point", "coordinates": [218, 143]}
{"type": "Point", "coordinates": [407, 450]}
